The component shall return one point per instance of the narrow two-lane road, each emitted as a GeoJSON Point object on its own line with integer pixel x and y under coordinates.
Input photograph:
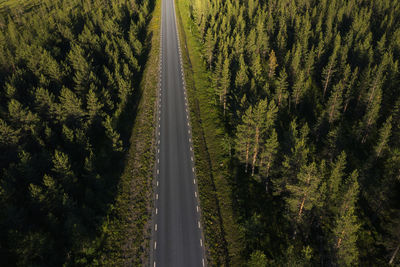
{"type": "Point", "coordinates": [177, 238]}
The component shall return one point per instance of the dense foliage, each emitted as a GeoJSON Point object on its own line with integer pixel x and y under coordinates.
{"type": "Point", "coordinates": [309, 92]}
{"type": "Point", "coordinates": [68, 73]}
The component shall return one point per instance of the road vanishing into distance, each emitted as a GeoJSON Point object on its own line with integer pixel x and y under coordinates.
{"type": "Point", "coordinates": [177, 238]}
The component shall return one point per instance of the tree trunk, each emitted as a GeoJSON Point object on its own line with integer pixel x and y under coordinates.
{"type": "Point", "coordinates": [279, 99]}
{"type": "Point", "coordinates": [301, 206]}
{"type": "Point", "coordinates": [394, 254]}
{"type": "Point", "coordinates": [247, 155]}
{"type": "Point", "coordinates": [373, 92]}
{"type": "Point", "coordinates": [255, 151]}
{"type": "Point", "coordinates": [224, 100]}
{"type": "Point", "coordinates": [328, 76]}
{"type": "Point", "coordinates": [332, 109]}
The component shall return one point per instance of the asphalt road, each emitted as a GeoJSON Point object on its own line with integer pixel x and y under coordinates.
{"type": "Point", "coordinates": [177, 238]}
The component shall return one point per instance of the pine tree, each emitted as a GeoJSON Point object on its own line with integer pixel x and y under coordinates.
{"type": "Point", "coordinates": [243, 137]}
{"type": "Point", "coordinates": [258, 125]}
{"type": "Point", "coordinates": [268, 155]}
{"type": "Point", "coordinates": [242, 75]}
{"type": "Point", "coordinates": [225, 83]}
{"type": "Point", "coordinates": [334, 104]}
{"type": "Point", "coordinates": [384, 135]}
{"type": "Point", "coordinates": [209, 45]}
{"type": "Point", "coordinates": [328, 72]}
{"type": "Point", "coordinates": [299, 89]}
{"type": "Point", "coordinates": [304, 193]}
{"type": "Point", "coordinates": [336, 179]}
{"type": "Point", "coordinates": [347, 225]}
{"type": "Point", "coordinates": [282, 93]}
{"type": "Point", "coordinates": [272, 64]}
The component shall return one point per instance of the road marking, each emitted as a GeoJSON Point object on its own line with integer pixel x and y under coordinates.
{"type": "Point", "coordinates": [202, 261]}
{"type": "Point", "coordinates": [201, 242]}
{"type": "Point", "coordinates": [155, 264]}
{"type": "Point", "coordinates": [194, 181]}
{"type": "Point", "coordinates": [156, 211]}
{"type": "Point", "coordinates": [198, 224]}
{"type": "Point", "coordinates": [155, 227]}
{"type": "Point", "coordinates": [157, 183]}
{"type": "Point", "coordinates": [158, 141]}
{"type": "Point", "coordinates": [197, 208]}
{"type": "Point", "coordinates": [191, 148]}
{"type": "Point", "coordinates": [191, 158]}
{"type": "Point", "coordinates": [192, 169]}
{"type": "Point", "coordinates": [195, 194]}
{"type": "Point", "coordinates": [156, 196]}
{"type": "Point", "coordinates": [155, 244]}
{"type": "Point", "coordinates": [158, 160]}
{"type": "Point", "coordinates": [189, 131]}
{"type": "Point", "coordinates": [190, 139]}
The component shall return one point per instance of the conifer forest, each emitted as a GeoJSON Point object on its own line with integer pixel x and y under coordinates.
{"type": "Point", "coordinates": [308, 93]}
{"type": "Point", "coordinates": [69, 73]}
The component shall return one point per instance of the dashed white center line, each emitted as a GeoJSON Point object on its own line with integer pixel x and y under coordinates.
{"type": "Point", "coordinates": [195, 193]}
{"type": "Point", "coordinates": [155, 244]}
{"type": "Point", "coordinates": [156, 196]}
{"type": "Point", "coordinates": [155, 227]}
{"type": "Point", "coordinates": [194, 181]}
{"type": "Point", "coordinates": [155, 264]}
{"type": "Point", "coordinates": [202, 261]}
{"type": "Point", "coordinates": [191, 158]}
{"type": "Point", "coordinates": [157, 183]}
{"type": "Point", "coordinates": [156, 211]}
{"type": "Point", "coordinates": [158, 171]}
{"type": "Point", "coordinates": [201, 242]}
{"type": "Point", "coordinates": [198, 224]}
{"type": "Point", "coordinates": [197, 208]}
{"type": "Point", "coordinates": [192, 169]}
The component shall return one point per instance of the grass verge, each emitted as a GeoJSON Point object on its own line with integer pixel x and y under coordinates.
{"type": "Point", "coordinates": [222, 233]}
{"type": "Point", "coordinates": [126, 232]}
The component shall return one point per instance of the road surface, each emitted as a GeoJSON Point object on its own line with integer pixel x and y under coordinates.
{"type": "Point", "coordinates": [177, 238]}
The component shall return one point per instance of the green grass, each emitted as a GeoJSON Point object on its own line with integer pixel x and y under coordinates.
{"type": "Point", "coordinates": [222, 233]}
{"type": "Point", "coordinates": [126, 233]}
